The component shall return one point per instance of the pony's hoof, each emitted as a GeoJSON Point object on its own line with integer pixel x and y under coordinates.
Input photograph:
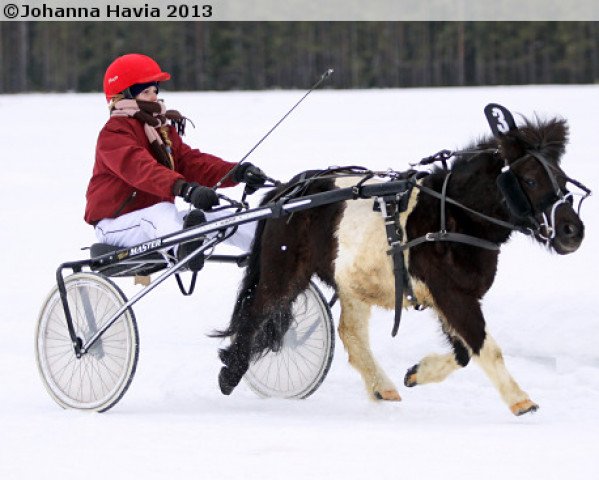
{"type": "Point", "coordinates": [410, 380]}
{"type": "Point", "coordinates": [224, 356]}
{"type": "Point", "coordinates": [388, 395]}
{"type": "Point", "coordinates": [526, 406]}
{"type": "Point", "coordinates": [225, 381]}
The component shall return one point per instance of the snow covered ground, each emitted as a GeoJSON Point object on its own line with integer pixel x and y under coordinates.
{"type": "Point", "coordinates": [174, 423]}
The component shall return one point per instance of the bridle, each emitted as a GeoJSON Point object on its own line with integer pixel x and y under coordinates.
{"type": "Point", "coordinates": [517, 201]}
{"type": "Point", "coordinates": [520, 206]}
{"type": "Point", "coordinates": [501, 121]}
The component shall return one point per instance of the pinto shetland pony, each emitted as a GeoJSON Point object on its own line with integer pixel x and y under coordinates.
{"type": "Point", "coordinates": [345, 244]}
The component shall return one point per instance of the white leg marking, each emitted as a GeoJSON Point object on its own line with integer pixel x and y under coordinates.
{"type": "Point", "coordinates": [491, 361]}
{"type": "Point", "coordinates": [436, 368]}
{"type": "Point", "coordinates": [353, 330]}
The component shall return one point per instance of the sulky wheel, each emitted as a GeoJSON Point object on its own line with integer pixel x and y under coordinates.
{"type": "Point", "coordinates": [302, 363]}
{"type": "Point", "coordinates": [99, 379]}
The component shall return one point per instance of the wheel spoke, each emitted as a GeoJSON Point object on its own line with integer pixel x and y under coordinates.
{"type": "Point", "coordinates": [100, 377]}
{"type": "Point", "coordinates": [297, 369]}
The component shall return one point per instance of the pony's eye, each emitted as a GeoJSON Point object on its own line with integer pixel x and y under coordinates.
{"type": "Point", "coordinates": [530, 182]}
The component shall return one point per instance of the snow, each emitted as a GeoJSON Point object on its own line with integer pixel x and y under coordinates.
{"type": "Point", "coordinates": [173, 421]}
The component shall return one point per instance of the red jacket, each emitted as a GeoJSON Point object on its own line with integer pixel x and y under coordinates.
{"type": "Point", "coordinates": [127, 177]}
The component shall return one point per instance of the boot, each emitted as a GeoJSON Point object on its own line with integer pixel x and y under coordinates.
{"type": "Point", "coordinates": [193, 218]}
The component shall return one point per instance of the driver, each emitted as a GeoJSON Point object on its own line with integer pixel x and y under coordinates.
{"type": "Point", "coordinates": [142, 164]}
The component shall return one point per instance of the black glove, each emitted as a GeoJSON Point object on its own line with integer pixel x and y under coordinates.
{"type": "Point", "coordinates": [199, 196]}
{"type": "Point", "coordinates": [251, 175]}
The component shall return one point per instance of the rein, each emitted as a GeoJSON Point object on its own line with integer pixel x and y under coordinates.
{"type": "Point", "coordinates": [548, 223]}
{"type": "Point", "coordinates": [443, 235]}
{"type": "Point", "coordinates": [391, 206]}
{"type": "Point", "coordinates": [444, 198]}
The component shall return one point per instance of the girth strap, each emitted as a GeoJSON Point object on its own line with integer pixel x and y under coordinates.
{"type": "Point", "coordinates": [391, 207]}
{"type": "Point", "coordinates": [398, 270]}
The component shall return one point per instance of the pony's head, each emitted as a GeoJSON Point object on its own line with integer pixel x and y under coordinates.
{"type": "Point", "coordinates": [534, 186]}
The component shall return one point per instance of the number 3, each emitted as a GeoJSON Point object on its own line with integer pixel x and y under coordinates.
{"type": "Point", "coordinates": [502, 125]}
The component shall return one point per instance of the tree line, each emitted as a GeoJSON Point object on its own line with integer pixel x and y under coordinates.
{"type": "Point", "coordinates": [72, 56]}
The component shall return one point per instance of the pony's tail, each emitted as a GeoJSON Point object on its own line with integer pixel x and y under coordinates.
{"type": "Point", "coordinates": [250, 280]}
{"type": "Point", "coordinates": [247, 289]}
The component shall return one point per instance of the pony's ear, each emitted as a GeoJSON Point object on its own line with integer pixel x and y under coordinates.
{"type": "Point", "coordinates": [511, 146]}
{"type": "Point", "coordinates": [548, 138]}
{"type": "Point", "coordinates": [505, 131]}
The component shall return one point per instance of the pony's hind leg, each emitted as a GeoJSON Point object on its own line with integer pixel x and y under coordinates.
{"type": "Point", "coordinates": [435, 368]}
{"type": "Point", "coordinates": [274, 278]}
{"type": "Point", "coordinates": [353, 330]}
{"type": "Point", "coordinates": [236, 357]}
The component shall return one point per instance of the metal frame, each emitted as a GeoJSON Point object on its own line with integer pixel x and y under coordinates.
{"type": "Point", "coordinates": [135, 255]}
{"type": "Point", "coordinates": [144, 257]}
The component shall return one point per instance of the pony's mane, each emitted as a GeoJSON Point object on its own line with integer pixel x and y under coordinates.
{"type": "Point", "coordinates": [549, 137]}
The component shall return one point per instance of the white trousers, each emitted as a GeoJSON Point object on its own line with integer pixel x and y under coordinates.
{"type": "Point", "coordinates": [159, 220]}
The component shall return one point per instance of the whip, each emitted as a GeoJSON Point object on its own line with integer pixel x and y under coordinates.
{"type": "Point", "coordinates": [322, 78]}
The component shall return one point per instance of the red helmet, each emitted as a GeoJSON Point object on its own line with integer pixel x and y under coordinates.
{"type": "Point", "coordinates": [131, 69]}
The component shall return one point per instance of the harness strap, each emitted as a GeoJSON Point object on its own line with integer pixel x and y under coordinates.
{"type": "Point", "coordinates": [443, 235]}
{"type": "Point", "coordinates": [443, 198]}
{"type": "Point", "coordinates": [391, 208]}
{"type": "Point", "coordinates": [556, 188]}
{"type": "Point", "coordinates": [399, 269]}
{"type": "Point", "coordinates": [394, 237]}
{"type": "Point", "coordinates": [451, 237]}
{"type": "Point", "coordinates": [496, 221]}
{"type": "Point", "coordinates": [192, 285]}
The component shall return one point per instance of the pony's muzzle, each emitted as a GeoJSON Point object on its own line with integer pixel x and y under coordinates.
{"type": "Point", "coordinates": [569, 231]}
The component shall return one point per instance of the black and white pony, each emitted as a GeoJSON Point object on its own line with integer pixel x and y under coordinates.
{"type": "Point", "coordinates": [345, 244]}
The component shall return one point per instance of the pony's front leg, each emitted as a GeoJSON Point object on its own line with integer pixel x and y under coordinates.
{"type": "Point", "coordinates": [435, 368]}
{"type": "Point", "coordinates": [462, 315]}
{"type": "Point", "coordinates": [353, 330]}
{"type": "Point", "coordinates": [491, 361]}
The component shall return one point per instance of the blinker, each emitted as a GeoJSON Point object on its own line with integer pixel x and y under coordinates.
{"type": "Point", "coordinates": [516, 200]}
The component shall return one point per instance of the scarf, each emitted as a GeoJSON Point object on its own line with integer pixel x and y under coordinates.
{"type": "Point", "coordinates": [154, 116]}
